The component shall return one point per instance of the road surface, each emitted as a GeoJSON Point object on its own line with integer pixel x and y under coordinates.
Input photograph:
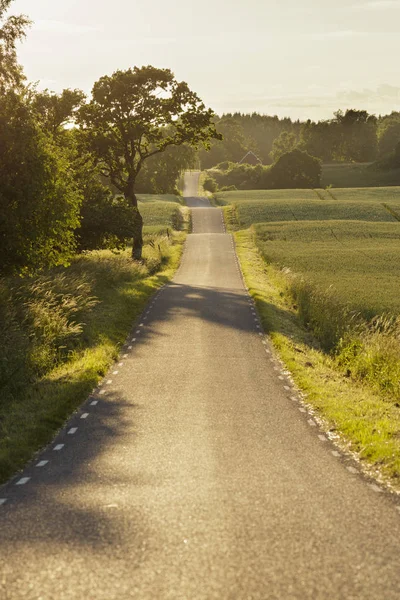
{"type": "Point", "coordinates": [193, 474]}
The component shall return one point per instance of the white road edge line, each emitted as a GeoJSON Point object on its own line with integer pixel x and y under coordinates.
{"type": "Point", "coordinates": [72, 431]}
{"type": "Point", "coordinates": [42, 463]}
{"type": "Point", "coordinates": [352, 470]}
{"type": "Point", "coordinates": [374, 487]}
{"type": "Point", "coordinates": [84, 416]}
{"type": "Point", "coordinates": [58, 447]}
{"type": "Point", "coordinates": [23, 481]}
{"type": "Point", "coordinates": [94, 403]}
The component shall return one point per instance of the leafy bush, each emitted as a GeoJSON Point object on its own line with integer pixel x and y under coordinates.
{"type": "Point", "coordinates": [296, 169]}
{"type": "Point", "coordinates": [292, 170]}
{"type": "Point", "coordinates": [210, 185]}
{"type": "Point", "coordinates": [106, 220]}
{"type": "Point", "coordinates": [39, 199]}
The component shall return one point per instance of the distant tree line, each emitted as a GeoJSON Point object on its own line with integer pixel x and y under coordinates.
{"type": "Point", "coordinates": [351, 136]}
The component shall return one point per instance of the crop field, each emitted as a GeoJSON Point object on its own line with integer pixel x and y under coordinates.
{"type": "Point", "coordinates": [160, 212]}
{"type": "Point", "coordinates": [356, 175]}
{"type": "Point", "coordinates": [347, 240]}
{"type": "Point", "coordinates": [360, 260]}
{"type": "Point", "coordinates": [373, 204]}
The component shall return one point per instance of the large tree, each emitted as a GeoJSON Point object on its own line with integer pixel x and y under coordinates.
{"type": "Point", "coordinates": [134, 115]}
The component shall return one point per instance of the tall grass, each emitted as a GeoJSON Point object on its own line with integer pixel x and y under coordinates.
{"type": "Point", "coordinates": [61, 331]}
{"type": "Point", "coordinates": [366, 350]}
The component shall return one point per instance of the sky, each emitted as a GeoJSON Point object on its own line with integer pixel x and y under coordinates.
{"type": "Point", "coordinates": [297, 58]}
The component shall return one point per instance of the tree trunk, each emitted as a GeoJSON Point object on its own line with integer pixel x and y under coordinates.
{"type": "Point", "coordinates": [137, 241]}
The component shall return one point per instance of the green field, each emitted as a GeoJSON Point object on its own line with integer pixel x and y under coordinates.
{"type": "Point", "coordinates": [324, 269]}
{"type": "Point", "coordinates": [160, 212]}
{"type": "Point", "coordinates": [357, 175]}
{"type": "Point", "coordinates": [345, 238]}
{"type": "Point", "coordinates": [359, 259]}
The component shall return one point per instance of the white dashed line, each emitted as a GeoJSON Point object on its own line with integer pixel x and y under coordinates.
{"type": "Point", "coordinates": [141, 325]}
{"type": "Point", "coordinates": [302, 410]}
{"type": "Point", "coordinates": [311, 423]}
{"type": "Point", "coordinates": [138, 331]}
{"type": "Point", "coordinates": [23, 481]}
{"type": "Point", "coordinates": [121, 364]}
{"type": "Point", "coordinates": [130, 347]}
{"type": "Point", "coordinates": [352, 470]}
{"type": "Point", "coordinates": [374, 487]}
{"type": "Point", "coordinates": [287, 388]}
{"type": "Point", "coordinates": [281, 377]}
{"type": "Point", "coordinates": [115, 372]}
{"type": "Point", "coordinates": [102, 392]}
{"type": "Point", "coordinates": [264, 342]}
{"type": "Point", "coordinates": [336, 453]}
{"type": "Point", "coordinates": [293, 398]}
{"type": "Point", "coordinates": [133, 340]}
{"type": "Point", "coordinates": [323, 438]}
{"type": "Point", "coordinates": [72, 430]}
{"type": "Point", "coordinates": [58, 447]}
{"type": "Point", "coordinates": [94, 403]}
{"type": "Point", "coordinates": [109, 382]}
{"type": "Point", "coordinates": [124, 356]}
{"type": "Point", "coordinates": [260, 332]}
{"type": "Point", "coordinates": [84, 416]}
{"type": "Point", "coordinates": [3, 501]}
{"type": "Point", "coordinates": [42, 463]}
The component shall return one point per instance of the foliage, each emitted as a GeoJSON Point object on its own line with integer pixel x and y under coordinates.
{"type": "Point", "coordinates": [106, 219]}
{"type": "Point", "coordinates": [84, 314]}
{"type": "Point", "coordinates": [389, 133]}
{"type": "Point", "coordinates": [39, 200]}
{"type": "Point", "coordinates": [209, 184]}
{"type": "Point", "coordinates": [348, 136]}
{"type": "Point", "coordinates": [295, 169]}
{"type": "Point", "coordinates": [12, 29]}
{"type": "Point", "coordinates": [233, 145]}
{"type": "Point", "coordinates": [134, 115]}
{"type": "Point", "coordinates": [56, 111]}
{"type": "Point", "coordinates": [357, 136]}
{"type": "Point", "coordinates": [160, 173]}
{"type": "Point", "coordinates": [285, 142]}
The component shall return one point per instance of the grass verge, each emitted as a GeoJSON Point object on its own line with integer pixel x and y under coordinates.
{"type": "Point", "coordinates": [32, 411]}
{"type": "Point", "coordinates": [366, 423]}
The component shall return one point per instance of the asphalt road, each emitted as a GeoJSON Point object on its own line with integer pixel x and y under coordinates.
{"type": "Point", "coordinates": [193, 473]}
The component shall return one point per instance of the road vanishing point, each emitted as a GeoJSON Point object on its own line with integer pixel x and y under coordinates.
{"type": "Point", "coordinates": [192, 472]}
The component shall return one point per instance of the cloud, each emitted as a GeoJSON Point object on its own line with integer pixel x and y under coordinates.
{"type": "Point", "coordinates": [376, 5]}
{"type": "Point", "coordinates": [60, 27]}
{"type": "Point", "coordinates": [338, 35]}
{"type": "Point", "coordinates": [316, 104]}
{"type": "Point", "coordinates": [384, 95]}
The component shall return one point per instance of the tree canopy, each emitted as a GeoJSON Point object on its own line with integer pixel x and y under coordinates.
{"type": "Point", "coordinates": [134, 115]}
